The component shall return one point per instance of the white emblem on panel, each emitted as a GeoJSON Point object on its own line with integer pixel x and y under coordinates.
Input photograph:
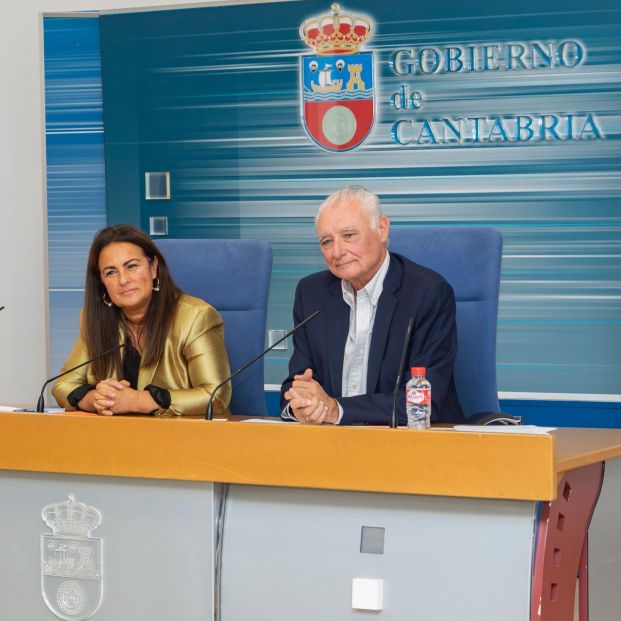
{"type": "Point", "coordinates": [71, 560]}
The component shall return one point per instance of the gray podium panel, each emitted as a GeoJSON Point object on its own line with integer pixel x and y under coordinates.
{"type": "Point", "coordinates": [293, 554]}
{"type": "Point", "coordinates": [156, 548]}
{"type": "Point", "coordinates": [605, 549]}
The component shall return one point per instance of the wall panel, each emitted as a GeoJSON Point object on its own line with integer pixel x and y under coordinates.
{"type": "Point", "coordinates": [75, 168]}
{"type": "Point", "coordinates": [213, 96]}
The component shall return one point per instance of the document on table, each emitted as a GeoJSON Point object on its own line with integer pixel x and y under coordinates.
{"type": "Point", "coordinates": [10, 408]}
{"type": "Point", "coordinates": [266, 420]}
{"type": "Point", "coordinates": [528, 429]}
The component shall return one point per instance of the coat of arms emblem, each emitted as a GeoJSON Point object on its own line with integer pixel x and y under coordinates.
{"type": "Point", "coordinates": [71, 560]}
{"type": "Point", "coordinates": [338, 101]}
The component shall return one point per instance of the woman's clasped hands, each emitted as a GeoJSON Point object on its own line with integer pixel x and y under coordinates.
{"type": "Point", "coordinates": [115, 397]}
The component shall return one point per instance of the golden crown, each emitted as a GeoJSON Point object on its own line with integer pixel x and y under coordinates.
{"type": "Point", "coordinates": [71, 517]}
{"type": "Point", "coordinates": [335, 33]}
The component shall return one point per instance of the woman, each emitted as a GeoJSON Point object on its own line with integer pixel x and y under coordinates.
{"type": "Point", "coordinates": [174, 353]}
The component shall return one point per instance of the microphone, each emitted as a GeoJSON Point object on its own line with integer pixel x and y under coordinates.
{"type": "Point", "coordinates": [41, 401]}
{"type": "Point", "coordinates": [1, 307]}
{"type": "Point", "coordinates": [406, 342]}
{"type": "Point", "coordinates": [209, 414]}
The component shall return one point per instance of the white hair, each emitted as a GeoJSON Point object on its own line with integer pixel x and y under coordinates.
{"type": "Point", "coordinates": [357, 194]}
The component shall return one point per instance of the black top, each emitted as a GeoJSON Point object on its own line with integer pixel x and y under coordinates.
{"type": "Point", "coordinates": [131, 364]}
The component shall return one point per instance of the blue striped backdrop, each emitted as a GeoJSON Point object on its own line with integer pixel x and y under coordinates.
{"type": "Point", "coordinates": [76, 205]}
{"type": "Point", "coordinates": [211, 95]}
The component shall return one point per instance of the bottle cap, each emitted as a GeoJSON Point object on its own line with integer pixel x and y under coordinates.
{"type": "Point", "coordinates": [419, 370]}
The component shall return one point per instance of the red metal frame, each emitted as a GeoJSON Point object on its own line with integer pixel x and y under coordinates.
{"type": "Point", "coordinates": [561, 552]}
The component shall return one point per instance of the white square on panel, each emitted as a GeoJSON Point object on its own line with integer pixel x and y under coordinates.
{"type": "Point", "coordinates": [273, 336]}
{"type": "Point", "coordinates": [367, 593]}
{"type": "Point", "coordinates": [158, 225]}
{"type": "Point", "coordinates": [157, 186]}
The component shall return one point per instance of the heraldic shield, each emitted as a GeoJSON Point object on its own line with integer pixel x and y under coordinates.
{"type": "Point", "coordinates": [337, 90]}
{"type": "Point", "coordinates": [338, 99]}
{"type": "Point", "coordinates": [71, 560]}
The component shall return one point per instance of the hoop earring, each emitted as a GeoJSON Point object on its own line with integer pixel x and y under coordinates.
{"type": "Point", "coordinates": [107, 302]}
{"type": "Point", "coordinates": [156, 283]}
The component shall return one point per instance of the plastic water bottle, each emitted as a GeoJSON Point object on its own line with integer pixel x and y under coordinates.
{"type": "Point", "coordinates": [418, 400]}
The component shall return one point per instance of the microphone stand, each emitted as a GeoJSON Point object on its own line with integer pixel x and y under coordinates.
{"type": "Point", "coordinates": [406, 342]}
{"type": "Point", "coordinates": [41, 401]}
{"type": "Point", "coordinates": [209, 413]}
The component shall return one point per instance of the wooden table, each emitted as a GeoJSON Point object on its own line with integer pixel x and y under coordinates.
{"type": "Point", "coordinates": [457, 510]}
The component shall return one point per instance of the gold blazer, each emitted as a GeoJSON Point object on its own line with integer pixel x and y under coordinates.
{"type": "Point", "coordinates": [194, 362]}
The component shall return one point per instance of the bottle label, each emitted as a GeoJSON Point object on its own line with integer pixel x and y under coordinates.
{"type": "Point", "coordinates": [419, 396]}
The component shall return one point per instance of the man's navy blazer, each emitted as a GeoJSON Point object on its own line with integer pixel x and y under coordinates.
{"type": "Point", "coordinates": [410, 290]}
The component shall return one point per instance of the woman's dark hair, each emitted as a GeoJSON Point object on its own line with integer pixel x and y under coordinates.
{"type": "Point", "coordinates": [100, 324]}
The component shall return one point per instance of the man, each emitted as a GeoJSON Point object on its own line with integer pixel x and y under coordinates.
{"type": "Point", "coordinates": [345, 361]}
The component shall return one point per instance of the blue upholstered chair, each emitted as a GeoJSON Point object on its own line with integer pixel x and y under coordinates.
{"type": "Point", "coordinates": [469, 258]}
{"type": "Point", "coordinates": [233, 275]}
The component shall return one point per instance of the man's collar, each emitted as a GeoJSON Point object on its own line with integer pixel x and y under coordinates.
{"type": "Point", "coordinates": [373, 288]}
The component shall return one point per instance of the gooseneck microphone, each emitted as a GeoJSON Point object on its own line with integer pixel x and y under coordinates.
{"type": "Point", "coordinates": [1, 307]}
{"type": "Point", "coordinates": [209, 414]}
{"type": "Point", "coordinates": [406, 342]}
{"type": "Point", "coordinates": [41, 401]}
